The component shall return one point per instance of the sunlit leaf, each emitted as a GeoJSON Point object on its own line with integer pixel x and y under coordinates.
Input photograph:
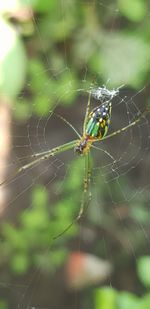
{"type": "Point", "coordinates": [127, 300]}
{"type": "Point", "coordinates": [105, 298]}
{"type": "Point", "coordinates": [12, 61]}
{"type": "Point", "coordinates": [145, 302]}
{"type": "Point", "coordinates": [134, 10]}
{"type": "Point", "coordinates": [3, 304]}
{"type": "Point", "coordinates": [143, 269]}
{"type": "Point", "coordinates": [20, 263]}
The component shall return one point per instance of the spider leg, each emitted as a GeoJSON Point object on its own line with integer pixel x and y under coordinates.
{"type": "Point", "coordinates": [44, 156]}
{"type": "Point", "coordinates": [66, 122]}
{"type": "Point", "coordinates": [132, 124]}
{"type": "Point", "coordinates": [85, 199]}
{"type": "Point", "coordinates": [87, 113]}
{"type": "Point", "coordinates": [86, 187]}
{"type": "Point", "coordinates": [105, 151]}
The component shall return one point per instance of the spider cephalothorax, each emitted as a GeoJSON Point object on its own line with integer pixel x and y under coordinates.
{"type": "Point", "coordinates": [96, 128]}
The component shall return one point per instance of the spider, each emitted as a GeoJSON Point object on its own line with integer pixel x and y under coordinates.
{"type": "Point", "coordinates": [95, 128]}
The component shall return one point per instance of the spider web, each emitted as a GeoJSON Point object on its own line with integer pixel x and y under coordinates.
{"type": "Point", "coordinates": [119, 179]}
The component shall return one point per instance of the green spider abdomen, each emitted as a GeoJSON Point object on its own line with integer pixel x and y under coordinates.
{"type": "Point", "coordinates": [98, 121]}
{"type": "Point", "coordinates": [96, 128]}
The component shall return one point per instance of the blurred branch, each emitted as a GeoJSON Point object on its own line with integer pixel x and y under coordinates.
{"type": "Point", "coordinates": [5, 146]}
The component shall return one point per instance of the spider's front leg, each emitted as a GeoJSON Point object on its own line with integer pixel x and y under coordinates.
{"type": "Point", "coordinates": [132, 124]}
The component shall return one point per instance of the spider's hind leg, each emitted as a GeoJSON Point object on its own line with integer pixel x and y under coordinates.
{"type": "Point", "coordinates": [86, 198]}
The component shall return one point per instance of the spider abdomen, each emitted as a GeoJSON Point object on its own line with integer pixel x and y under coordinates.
{"type": "Point", "coordinates": [96, 128]}
{"type": "Point", "coordinates": [98, 121]}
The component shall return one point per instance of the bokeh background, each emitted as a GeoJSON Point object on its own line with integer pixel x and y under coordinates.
{"type": "Point", "coordinates": [52, 52]}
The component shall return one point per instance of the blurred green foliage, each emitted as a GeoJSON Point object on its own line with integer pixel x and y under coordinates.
{"type": "Point", "coordinates": [134, 10]}
{"type": "Point", "coordinates": [109, 298]}
{"type": "Point", "coordinates": [24, 247]}
{"type": "Point", "coordinates": [3, 304]}
{"type": "Point", "coordinates": [143, 268]}
{"type": "Point", "coordinates": [69, 40]}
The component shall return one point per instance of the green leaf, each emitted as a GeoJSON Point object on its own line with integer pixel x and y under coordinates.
{"type": "Point", "coordinates": [42, 6]}
{"type": "Point", "coordinates": [127, 300]}
{"type": "Point", "coordinates": [145, 302]}
{"type": "Point", "coordinates": [3, 304]}
{"type": "Point", "coordinates": [105, 298]}
{"type": "Point", "coordinates": [20, 263]}
{"type": "Point", "coordinates": [143, 269]}
{"type": "Point", "coordinates": [12, 61]}
{"type": "Point", "coordinates": [37, 217]}
{"type": "Point", "coordinates": [42, 105]}
{"type": "Point", "coordinates": [35, 220]}
{"type": "Point", "coordinates": [15, 238]}
{"type": "Point", "coordinates": [134, 10]}
{"type": "Point", "coordinates": [39, 196]}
